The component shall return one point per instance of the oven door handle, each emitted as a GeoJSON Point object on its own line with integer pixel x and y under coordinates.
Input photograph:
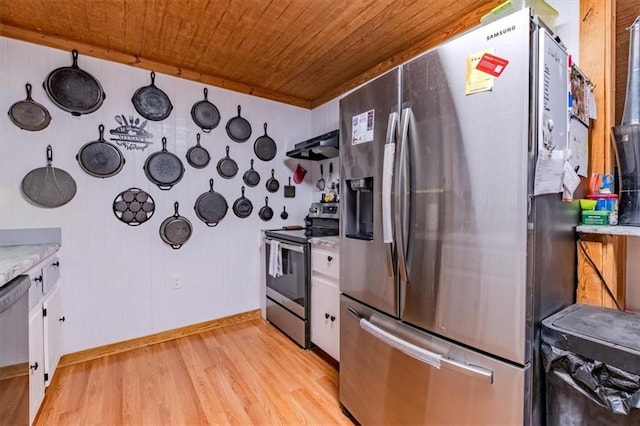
{"type": "Point", "coordinates": [290, 247]}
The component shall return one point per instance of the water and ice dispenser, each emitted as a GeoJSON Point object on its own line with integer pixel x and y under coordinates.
{"type": "Point", "coordinates": [626, 138]}
{"type": "Point", "coordinates": [358, 197]}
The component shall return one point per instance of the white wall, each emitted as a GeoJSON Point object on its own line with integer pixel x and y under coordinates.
{"type": "Point", "coordinates": [117, 278]}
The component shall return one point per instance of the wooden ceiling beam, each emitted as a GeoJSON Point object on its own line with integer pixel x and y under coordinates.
{"type": "Point", "coordinates": [140, 62]}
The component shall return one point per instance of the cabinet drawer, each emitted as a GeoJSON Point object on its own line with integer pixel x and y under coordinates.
{"type": "Point", "coordinates": [50, 274]}
{"type": "Point", "coordinates": [325, 261]}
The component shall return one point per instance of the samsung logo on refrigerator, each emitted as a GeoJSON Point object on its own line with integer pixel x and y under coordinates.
{"type": "Point", "coordinates": [501, 32]}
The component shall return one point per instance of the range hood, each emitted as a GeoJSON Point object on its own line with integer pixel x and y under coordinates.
{"type": "Point", "coordinates": [318, 148]}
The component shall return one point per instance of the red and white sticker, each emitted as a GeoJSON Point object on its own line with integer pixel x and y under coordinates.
{"type": "Point", "coordinates": [492, 64]}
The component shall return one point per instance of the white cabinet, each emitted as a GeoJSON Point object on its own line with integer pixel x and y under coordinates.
{"type": "Point", "coordinates": [53, 324]}
{"type": "Point", "coordinates": [36, 362]}
{"type": "Point", "coordinates": [46, 321]}
{"type": "Point", "coordinates": [325, 299]}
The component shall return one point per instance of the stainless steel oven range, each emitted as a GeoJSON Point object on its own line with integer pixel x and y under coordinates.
{"type": "Point", "coordinates": [289, 285]}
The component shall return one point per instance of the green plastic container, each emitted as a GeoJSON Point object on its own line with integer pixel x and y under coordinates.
{"type": "Point", "coordinates": [595, 217]}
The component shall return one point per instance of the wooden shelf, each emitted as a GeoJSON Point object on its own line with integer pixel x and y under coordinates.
{"type": "Point", "coordinates": [609, 230]}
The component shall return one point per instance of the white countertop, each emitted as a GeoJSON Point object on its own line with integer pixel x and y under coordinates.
{"type": "Point", "coordinates": [15, 260]}
{"type": "Point", "coordinates": [326, 241]}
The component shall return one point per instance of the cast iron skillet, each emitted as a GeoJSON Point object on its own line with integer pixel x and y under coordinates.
{"type": "Point", "coordinates": [238, 128]}
{"type": "Point", "coordinates": [251, 177]}
{"type": "Point", "coordinates": [197, 156]}
{"type": "Point", "coordinates": [266, 212]}
{"type": "Point", "coordinates": [265, 147]}
{"type": "Point", "coordinates": [227, 167]}
{"type": "Point", "coordinates": [205, 114]}
{"type": "Point", "coordinates": [100, 158]}
{"type": "Point", "coordinates": [242, 207]}
{"type": "Point", "coordinates": [163, 168]}
{"type": "Point", "coordinates": [28, 114]}
{"type": "Point", "coordinates": [74, 90]}
{"type": "Point", "coordinates": [175, 230]}
{"type": "Point", "coordinates": [151, 102]}
{"type": "Point", "coordinates": [49, 186]}
{"type": "Point", "coordinates": [211, 207]}
{"type": "Point", "coordinates": [272, 184]}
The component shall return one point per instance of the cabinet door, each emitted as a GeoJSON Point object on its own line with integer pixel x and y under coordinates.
{"type": "Point", "coordinates": [36, 362]}
{"type": "Point", "coordinates": [320, 313]}
{"type": "Point", "coordinates": [333, 296]}
{"type": "Point", "coordinates": [325, 260]}
{"type": "Point", "coordinates": [53, 326]}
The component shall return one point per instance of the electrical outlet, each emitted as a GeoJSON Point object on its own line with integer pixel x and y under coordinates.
{"type": "Point", "coordinates": [176, 282]}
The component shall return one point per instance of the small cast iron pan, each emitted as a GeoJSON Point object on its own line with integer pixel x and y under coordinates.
{"type": "Point", "coordinates": [251, 177]}
{"type": "Point", "coordinates": [266, 212]}
{"type": "Point", "coordinates": [284, 215]}
{"type": "Point", "coordinates": [227, 167]}
{"type": "Point", "coordinates": [264, 147]}
{"type": "Point", "coordinates": [175, 230]}
{"type": "Point", "coordinates": [163, 168]}
{"type": "Point", "coordinates": [29, 114]}
{"type": "Point", "coordinates": [242, 207]}
{"type": "Point", "coordinates": [238, 128]}
{"type": "Point", "coordinates": [211, 207]}
{"type": "Point", "coordinates": [205, 114]}
{"type": "Point", "coordinates": [74, 90]}
{"type": "Point", "coordinates": [197, 156]}
{"type": "Point", "coordinates": [151, 102]}
{"type": "Point", "coordinates": [100, 158]}
{"type": "Point", "coordinates": [272, 184]}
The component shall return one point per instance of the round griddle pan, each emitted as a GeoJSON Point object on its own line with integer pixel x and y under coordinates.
{"type": "Point", "coordinates": [48, 186]}
{"type": "Point", "coordinates": [272, 184]}
{"type": "Point", "coordinates": [163, 168]}
{"type": "Point", "coordinates": [151, 102]}
{"type": "Point", "coordinates": [29, 114]}
{"type": "Point", "coordinates": [251, 177]}
{"type": "Point", "coordinates": [238, 128]}
{"type": "Point", "coordinates": [100, 158]}
{"type": "Point", "coordinates": [242, 207]}
{"type": "Point", "coordinates": [205, 114]}
{"type": "Point", "coordinates": [264, 147]}
{"type": "Point", "coordinates": [175, 230]}
{"type": "Point", "coordinates": [197, 156]}
{"type": "Point", "coordinates": [266, 212]}
{"type": "Point", "coordinates": [74, 90]}
{"type": "Point", "coordinates": [227, 167]}
{"type": "Point", "coordinates": [211, 207]}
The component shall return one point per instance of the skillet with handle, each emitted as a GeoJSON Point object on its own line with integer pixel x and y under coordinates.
{"type": "Point", "coordinates": [227, 167]}
{"type": "Point", "coordinates": [272, 184]}
{"type": "Point", "coordinates": [264, 147]}
{"type": "Point", "coordinates": [242, 207]}
{"type": "Point", "coordinates": [266, 212]}
{"type": "Point", "coordinates": [151, 102]}
{"type": "Point", "coordinates": [205, 114]}
{"type": "Point", "coordinates": [175, 230]}
{"type": "Point", "coordinates": [163, 168]}
{"type": "Point", "coordinates": [74, 90]}
{"type": "Point", "coordinates": [251, 177]}
{"type": "Point", "coordinates": [211, 207]}
{"type": "Point", "coordinates": [29, 114]}
{"type": "Point", "coordinates": [100, 158]}
{"type": "Point", "coordinates": [197, 156]}
{"type": "Point", "coordinates": [238, 128]}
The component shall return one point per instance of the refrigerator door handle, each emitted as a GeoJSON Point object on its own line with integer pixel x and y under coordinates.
{"type": "Point", "coordinates": [437, 360]}
{"type": "Point", "coordinates": [401, 189]}
{"type": "Point", "coordinates": [387, 180]}
{"type": "Point", "coordinates": [403, 346]}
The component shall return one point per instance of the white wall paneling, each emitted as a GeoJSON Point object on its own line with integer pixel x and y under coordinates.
{"type": "Point", "coordinates": [118, 277]}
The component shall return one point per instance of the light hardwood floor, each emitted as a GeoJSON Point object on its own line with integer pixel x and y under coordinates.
{"type": "Point", "coordinates": [247, 373]}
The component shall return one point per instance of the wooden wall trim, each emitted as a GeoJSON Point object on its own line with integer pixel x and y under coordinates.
{"type": "Point", "coordinates": [55, 42]}
{"type": "Point", "coordinates": [597, 59]}
{"type": "Point", "coordinates": [152, 339]}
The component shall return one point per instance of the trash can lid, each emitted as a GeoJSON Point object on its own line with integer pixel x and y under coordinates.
{"type": "Point", "coordinates": [602, 334]}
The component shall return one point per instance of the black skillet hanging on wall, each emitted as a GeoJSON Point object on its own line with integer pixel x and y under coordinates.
{"type": "Point", "coordinates": [29, 114]}
{"type": "Point", "coordinates": [100, 158]}
{"type": "Point", "coordinates": [73, 89]}
{"type": "Point", "coordinates": [238, 128]}
{"type": "Point", "coordinates": [151, 102]}
{"type": "Point", "coordinates": [205, 114]}
{"type": "Point", "coordinates": [164, 168]}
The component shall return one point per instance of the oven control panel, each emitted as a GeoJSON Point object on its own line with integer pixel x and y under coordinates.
{"type": "Point", "coordinates": [325, 210]}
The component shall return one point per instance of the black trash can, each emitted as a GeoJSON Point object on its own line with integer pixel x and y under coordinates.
{"type": "Point", "coordinates": [591, 357]}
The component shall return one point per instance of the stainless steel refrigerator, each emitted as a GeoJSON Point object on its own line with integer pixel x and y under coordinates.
{"type": "Point", "coordinates": [448, 261]}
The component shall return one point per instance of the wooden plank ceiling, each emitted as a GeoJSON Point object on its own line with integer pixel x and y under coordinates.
{"type": "Point", "coordinates": [302, 52]}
